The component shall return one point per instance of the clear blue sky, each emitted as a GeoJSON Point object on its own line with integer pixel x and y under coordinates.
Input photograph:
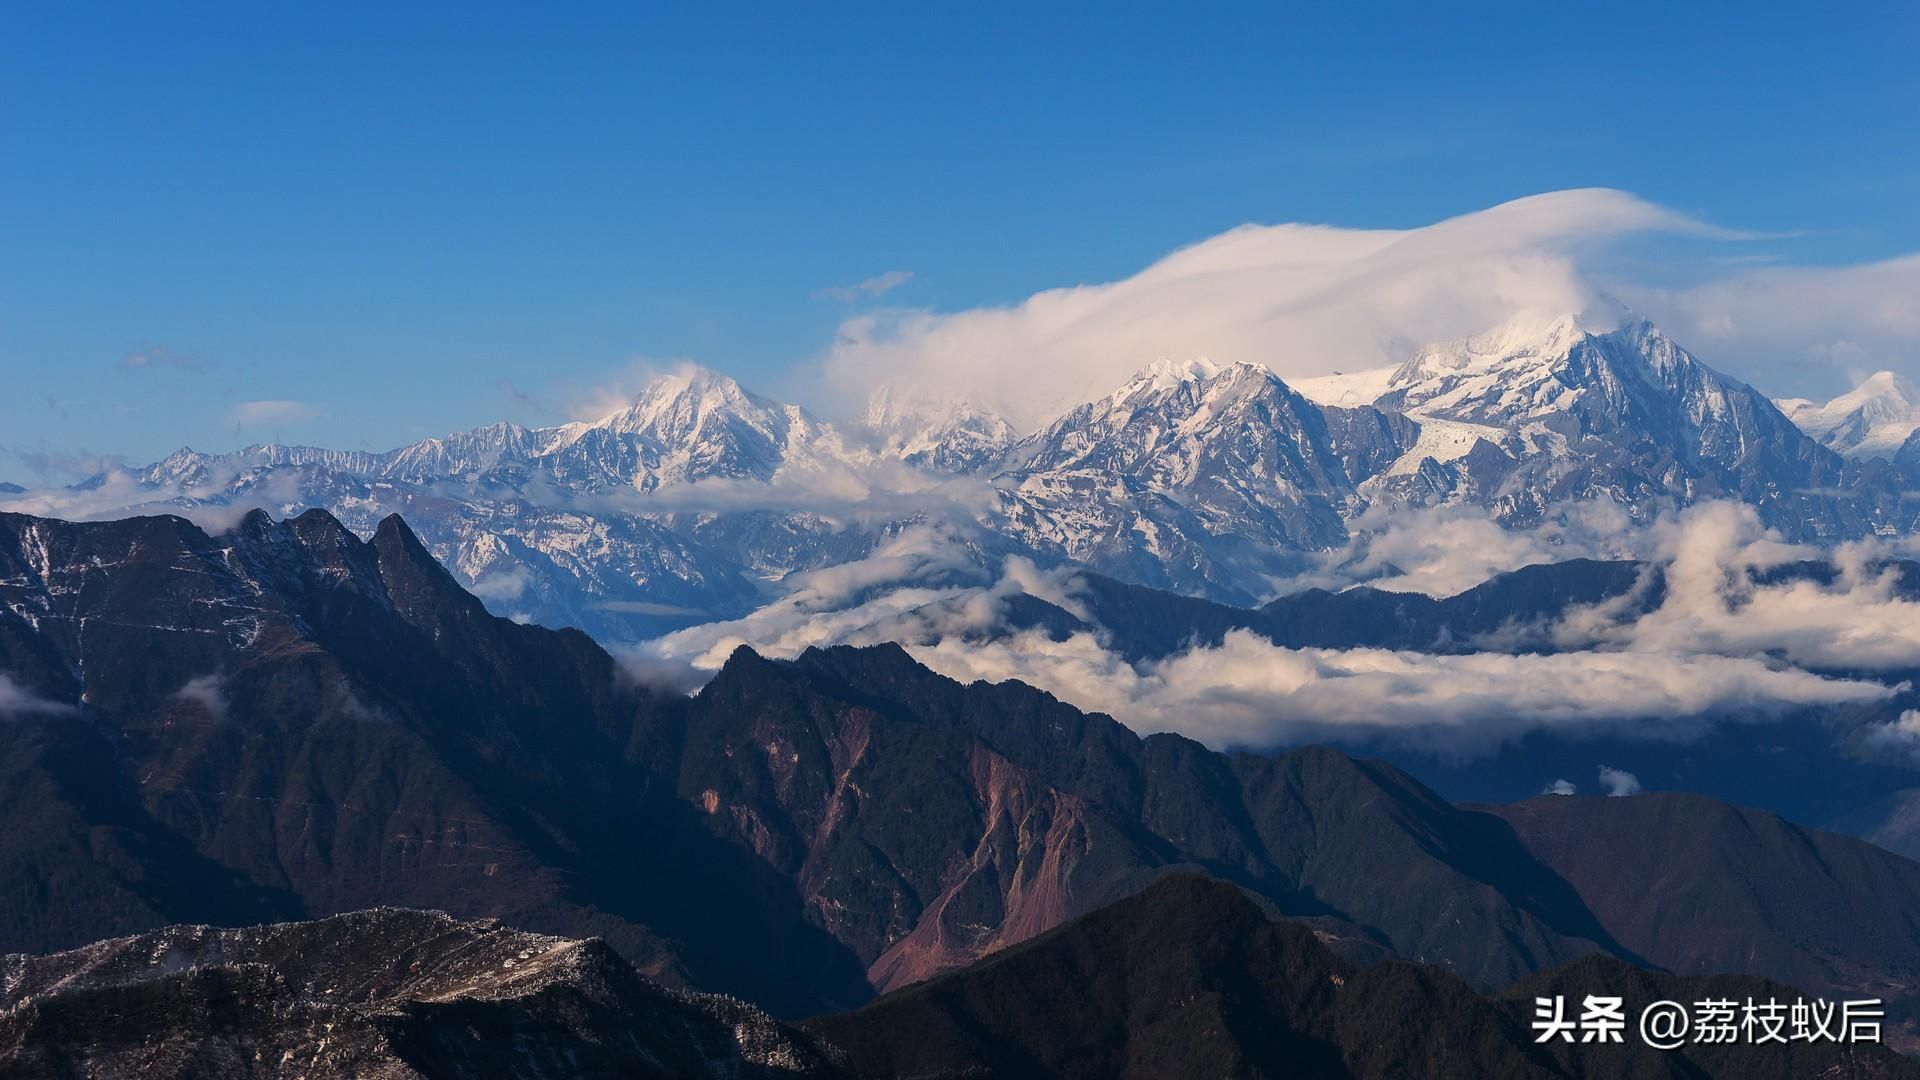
{"type": "Point", "coordinates": [383, 211]}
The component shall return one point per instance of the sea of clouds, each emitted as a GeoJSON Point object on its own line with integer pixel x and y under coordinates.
{"type": "Point", "coordinates": [1722, 645]}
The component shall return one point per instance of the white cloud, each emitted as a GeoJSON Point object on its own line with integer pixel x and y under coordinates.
{"type": "Point", "coordinates": [1901, 734]}
{"type": "Point", "coordinates": [17, 700]}
{"type": "Point", "coordinates": [1706, 655]}
{"type": "Point", "coordinates": [1618, 783]}
{"type": "Point", "coordinates": [1300, 299]}
{"type": "Point", "coordinates": [209, 692]}
{"type": "Point", "coordinates": [119, 493]}
{"type": "Point", "coordinates": [882, 597]}
{"type": "Point", "coordinates": [1767, 324]}
{"type": "Point", "coordinates": [154, 356]}
{"type": "Point", "coordinates": [499, 586]}
{"type": "Point", "coordinates": [1249, 692]}
{"type": "Point", "coordinates": [1448, 549]}
{"type": "Point", "coordinates": [646, 607]}
{"type": "Point", "coordinates": [1560, 787]}
{"type": "Point", "coordinates": [875, 286]}
{"type": "Point", "coordinates": [263, 413]}
{"type": "Point", "coordinates": [1710, 557]}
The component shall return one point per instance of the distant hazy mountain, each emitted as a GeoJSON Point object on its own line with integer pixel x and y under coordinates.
{"type": "Point", "coordinates": [693, 501]}
{"type": "Point", "coordinates": [938, 433]}
{"type": "Point", "coordinates": [1871, 420]}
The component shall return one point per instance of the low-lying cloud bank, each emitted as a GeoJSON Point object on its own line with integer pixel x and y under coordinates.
{"type": "Point", "coordinates": [1446, 550]}
{"type": "Point", "coordinates": [1713, 560]}
{"type": "Point", "coordinates": [1250, 692]}
{"type": "Point", "coordinates": [1722, 643]}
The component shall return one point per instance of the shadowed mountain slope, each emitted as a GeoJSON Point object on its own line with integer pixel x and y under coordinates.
{"type": "Point", "coordinates": [1190, 979]}
{"type": "Point", "coordinates": [284, 722]}
{"type": "Point", "coordinates": [1828, 913]}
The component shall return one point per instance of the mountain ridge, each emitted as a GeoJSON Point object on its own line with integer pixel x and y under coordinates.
{"type": "Point", "coordinates": [697, 499]}
{"type": "Point", "coordinates": [286, 721]}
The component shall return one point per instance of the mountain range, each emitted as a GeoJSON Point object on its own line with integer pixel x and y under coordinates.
{"type": "Point", "coordinates": [699, 498]}
{"type": "Point", "coordinates": [1874, 419]}
{"type": "Point", "coordinates": [1188, 977]}
{"type": "Point", "coordinates": [286, 722]}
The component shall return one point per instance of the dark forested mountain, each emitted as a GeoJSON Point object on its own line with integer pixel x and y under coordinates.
{"type": "Point", "coordinates": [385, 992]}
{"type": "Point", "coordinates": [284, 722]}
{"type": "Point", "coordinates": [1804, 906]}
{"type": "Point", "coordinates": [1508, 611]}
{"type": "Point", "coordinates": [1187, 978]}
{"type": "Point", "coordinates": [1891, 821]}
{"type": "Point", "coordinates": [1190, 978]}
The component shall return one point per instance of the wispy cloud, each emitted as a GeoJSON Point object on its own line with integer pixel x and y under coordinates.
{"type": "Point", "coordinates": [160, 356]}
{"type": "Point", "coordinates": [247, 414]}
{"type": "Point", "coordinates": [1764, 323]}
{"type": "Point", "coordinates": [63, 466]}
{"type": "Point", "coordinates": [1901, 734]}
{"type": "Point", "coordinates": [1448, 549]}
{"type": "Point", "coordinates": [875, 286]}
{"type": "Point", "coordinates": [1714, 599]}
{"type": "Point", "coordinates": [1618, 783]}
{"type": "Point", "coordinates": [209, 692]}
{"type": "Point", "coordinates": [17, 700]}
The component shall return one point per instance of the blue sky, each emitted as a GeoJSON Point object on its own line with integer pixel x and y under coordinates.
{"type": "Point", "coordinates": [412, 221]}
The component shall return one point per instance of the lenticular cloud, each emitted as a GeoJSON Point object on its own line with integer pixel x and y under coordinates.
{"type": "Point", "coordinates": [1299, 299]}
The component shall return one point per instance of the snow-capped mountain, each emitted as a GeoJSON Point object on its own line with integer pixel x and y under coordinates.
{"type": "Point", "coordinates": [1871, 420]}
{"type": "Point", "coordinates": [687, 426]}
{"type": "Point", "coordinates": [1550, 408]}
{"type": "Point", "coordinates": [556, 524]}
{"type": "Point", "coordinates": [692, 425]}
{"type": "Point", "coordinates": [692, 501]}
{"type": "Point", "coordinates": [1194, 475]}
{"type": "Point", "coordinates": [945, 434]}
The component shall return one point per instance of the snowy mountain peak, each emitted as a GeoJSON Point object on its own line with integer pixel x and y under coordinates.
{"type": "Point", "coordinates": [1166, 373]}
{"type": "Point", "coordinates": [676, 405]}
{"type": "Point", "coordinates": [891, 407]}
{"type": "Point", "coordinates": [1534, 336]}
{"type": "Point", "coordinates": [1346, 389]}
{"type": "Point", "coordinates": [935, 430]}
{"type": "Point", "coordinates": [1871, 420]}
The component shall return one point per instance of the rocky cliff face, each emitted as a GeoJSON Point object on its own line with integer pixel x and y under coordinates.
{"type": "Point", "coordinates": [286, 721]}
{"type": "Point", "coordinates": [381, 993]}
